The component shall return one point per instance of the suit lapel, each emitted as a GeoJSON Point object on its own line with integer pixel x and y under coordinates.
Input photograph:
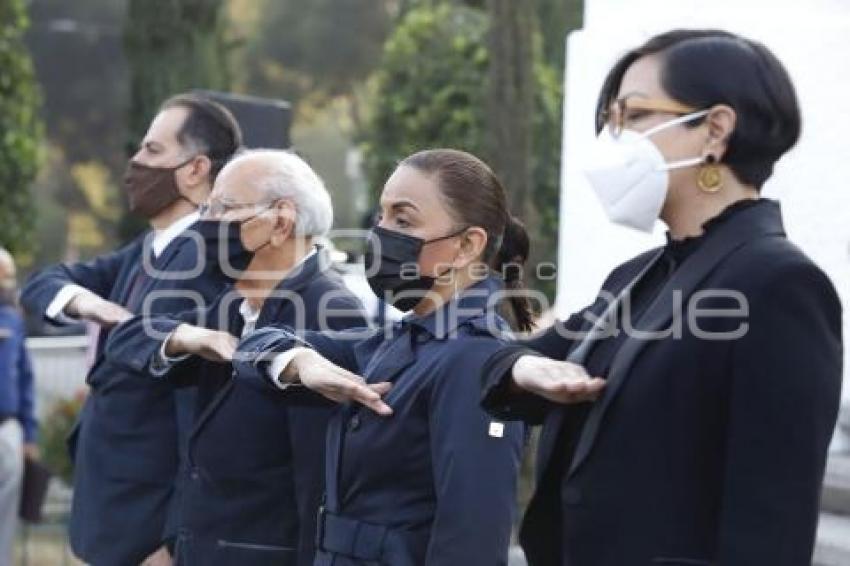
{"type": "Point", "coordinates": [273, 311]}
{"type": "Point", "coordinates": [750, 224]}
{"type": "Point", "coordinates": [603, 312]}
{"type": "Point", "coordinates": [155, 266]}
{"type": "Point", "coordinates": [223, 389]}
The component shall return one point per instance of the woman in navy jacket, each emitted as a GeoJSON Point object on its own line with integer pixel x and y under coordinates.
{"type": "Point", "coordinates": [427, 477]}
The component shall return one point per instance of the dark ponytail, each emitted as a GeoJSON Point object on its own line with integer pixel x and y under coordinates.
{"type": "Point", "coordinates": [509, 261]}
{"type": "Point", "coordinates": [476, 197]}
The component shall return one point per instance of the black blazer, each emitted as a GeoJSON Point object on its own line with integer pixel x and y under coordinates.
{"type": "Point", "coordinates": [255, 479]}
{"type": "Point", "coordinates": [125, 444]}
{"type": "Point", "coordinates": [699, 451]}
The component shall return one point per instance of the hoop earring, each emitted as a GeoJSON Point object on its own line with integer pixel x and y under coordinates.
{"type": "Point", "coordinates": [709, 179]}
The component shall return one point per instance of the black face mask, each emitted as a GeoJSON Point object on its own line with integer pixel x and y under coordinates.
{"type": "Point", "coordinates": [224, 242]}
{"type": "Point", "coordinates": [394, 274]}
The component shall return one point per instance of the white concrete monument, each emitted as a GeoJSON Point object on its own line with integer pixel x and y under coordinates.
{"type": "Point", "coordinates": [812, 182]}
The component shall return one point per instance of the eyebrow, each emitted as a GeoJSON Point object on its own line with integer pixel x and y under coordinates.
{"type": "Point", "coordinates": [633, 93]}
{"type": "Point", "coordinates": [401, 204]}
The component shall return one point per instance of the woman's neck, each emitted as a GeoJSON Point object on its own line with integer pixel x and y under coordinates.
{"type": "Point", "coordinates": [442, 293]}
{"type": "Point", "coordinates": [686, 217]}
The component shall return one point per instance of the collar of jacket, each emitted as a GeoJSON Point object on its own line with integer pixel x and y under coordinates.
{"type": "Point", "coordinates": [476, 303]}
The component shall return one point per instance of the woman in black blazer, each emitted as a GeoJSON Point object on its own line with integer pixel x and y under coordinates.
{"type": "Point", "coordinates": [687, 412]}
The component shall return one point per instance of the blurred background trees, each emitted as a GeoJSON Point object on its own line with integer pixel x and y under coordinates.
{"type": "Point", "coordinates": [369, 80]}
{"type": "Point", "coordinates": [20, 130]}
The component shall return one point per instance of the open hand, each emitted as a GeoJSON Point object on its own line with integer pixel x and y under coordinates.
{"type": "Point", "coordinates": [558, 381]}
{"type": "Point", "coordinates": [91, 307]}
{"type": "Point", "coordinates": [213, 345]}
{"type": "Point", "coordinates": [334, 382]}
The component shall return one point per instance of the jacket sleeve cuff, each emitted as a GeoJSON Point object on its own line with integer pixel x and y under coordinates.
{"type": "Point", "coordinates": [56, 309]}
{"type": "Point", "coordinates": [499, 396]}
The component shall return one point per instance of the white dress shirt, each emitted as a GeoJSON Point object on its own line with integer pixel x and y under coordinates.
{"type": "Point", "coordinates": [161, 240]}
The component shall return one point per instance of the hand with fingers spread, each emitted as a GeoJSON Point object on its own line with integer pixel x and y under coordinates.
{"type": "Point", "coordinates": [337, 384]}
{"type": "Point", "coordinates": [558, 381]}
{"type": "Point", "coordinates": [213, 345]}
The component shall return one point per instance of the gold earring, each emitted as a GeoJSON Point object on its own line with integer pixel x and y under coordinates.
{"type": "Point", "coordinates": [709, 179]}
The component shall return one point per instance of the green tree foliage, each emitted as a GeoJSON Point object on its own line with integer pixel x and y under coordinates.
{"type": "Point", "coordinates": [557, 18]}
{"type": "Point", "coordinates": [171, 46]}
{"type": "Point", "coordinates": [76, 49]}
{"type": "Point", "coordinates": [20, 129]}
{"type": "Point", "coordinates": [321, 47]}
{"type": "Point", "coordinates": [431, 91]}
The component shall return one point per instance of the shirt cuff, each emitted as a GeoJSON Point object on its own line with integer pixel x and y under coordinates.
{"type": "Point", "coordinates": [279, 363]}
{"type": "Point", "coordinates": [55, 310]}
{"type": "Point", "coordinates": [162, 363]}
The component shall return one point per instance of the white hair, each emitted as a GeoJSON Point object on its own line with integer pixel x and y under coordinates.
{"type": "Point", "coordinates": [283, 175]}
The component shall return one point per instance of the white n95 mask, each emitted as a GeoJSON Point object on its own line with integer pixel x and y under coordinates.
{"type": "Point", "coordinates": [630, 176]}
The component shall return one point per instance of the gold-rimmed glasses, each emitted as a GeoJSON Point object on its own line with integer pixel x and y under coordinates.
{"type": "Point", "coordinates": [629, 108]}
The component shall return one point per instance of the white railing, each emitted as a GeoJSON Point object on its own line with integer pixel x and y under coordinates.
{"type": "Point", "coordinates": [60, 364]}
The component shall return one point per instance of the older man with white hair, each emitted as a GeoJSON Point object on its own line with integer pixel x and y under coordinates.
{"type": "Point", "coordinates": [255, 481]}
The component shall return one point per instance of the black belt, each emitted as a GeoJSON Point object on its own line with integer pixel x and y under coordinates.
{"type": "Point", "coordinates": [364, 541]}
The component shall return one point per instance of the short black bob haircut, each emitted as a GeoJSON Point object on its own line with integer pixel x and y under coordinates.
{"type": "Point", "coordinates": [702, 68]}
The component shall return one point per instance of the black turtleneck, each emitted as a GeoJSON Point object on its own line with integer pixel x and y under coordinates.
{"type": "Point", "coordinates": [647, 288]}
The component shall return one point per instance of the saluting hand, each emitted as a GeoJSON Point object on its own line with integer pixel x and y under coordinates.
{"type": "Point", "coordinates": [88, 306]}
{"type": "Point", "coordinates": [213, 345]}
{"type": "Point", "coordinates": [558, 381]}
{"type": "Point", "coordinates": [334, 382]}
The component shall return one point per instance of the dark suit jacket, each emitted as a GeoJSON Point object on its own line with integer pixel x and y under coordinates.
{"type": "Point", "coordinates": [256, 475]}
{"type": "Point", "coordinates": [125, 446]}
{"type": "Point", "coordinates": [699, 451]}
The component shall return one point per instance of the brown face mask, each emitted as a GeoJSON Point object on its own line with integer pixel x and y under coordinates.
{"type": "Point", "coordinates": [151, 189]}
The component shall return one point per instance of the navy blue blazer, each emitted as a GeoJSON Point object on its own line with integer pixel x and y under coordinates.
{"type": "Point", "coordinates": [17, 397]}
{"type": "Point", "coordinates": [125, 445]}
{"type": "Point", "coordinates": [256, 475]}
{"type": "Point", "coordinates": [700, 450]}
{"type": "Point", "coordinates": [435, 482]}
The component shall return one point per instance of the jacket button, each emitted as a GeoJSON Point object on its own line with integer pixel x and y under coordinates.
{"type": "Point", "coordinates": [354, 423]}
{"type": "Point", "coordinates": [194, 474]}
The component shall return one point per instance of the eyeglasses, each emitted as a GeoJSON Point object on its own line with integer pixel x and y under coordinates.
{"type": "Point", "coordinates": [217, 209]}
{"type": "Point", "coordinates": [627, 109]}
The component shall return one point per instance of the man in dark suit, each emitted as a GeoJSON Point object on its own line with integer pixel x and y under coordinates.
{"type": "Point", "coordinates": [125, 445]}
{"type": "Point", "coordinates": [255, 481]}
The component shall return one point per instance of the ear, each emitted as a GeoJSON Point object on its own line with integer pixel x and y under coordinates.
{"type": "Point", "coordinates": [721, 121]}
{"type": "Point", "coordinates": [199, 171]}
{"type": "Point", "coordinates": [284, 222]}
{"type": "Point", "coordinates": [472, 244]}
